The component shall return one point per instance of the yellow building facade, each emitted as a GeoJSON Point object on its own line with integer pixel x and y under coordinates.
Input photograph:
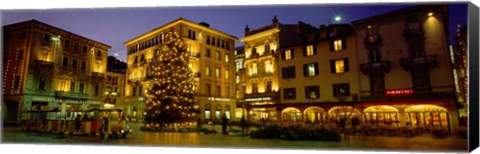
{"type": "Point", "coordinates": [212, 61]}
{"type": "Point", "coordinates": [45, 67]}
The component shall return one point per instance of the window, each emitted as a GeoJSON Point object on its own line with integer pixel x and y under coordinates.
{"type": "Point", "coordinates": [254, 50]}
{"type": "Point", "coordinates": [227, 74]}
{"type": "Point", "coordinates": [338, 45]}
{"type": "Point", "coordinates": [237, 80]}
{"type": "Point", "coordinates": [217, 55]}
{"type": "Point", "coordinates": [46, 38]}
{"type": "Point", "coordinates": [239, 65]}
{"type": "Point", "coordinates": [219, 91]}
{"type": "Point", "coordinates": [74, 64]}
{"type": "Point", "coordinates": [75, 47]}
{"type": "Point", "coordinates": [99, 53]}
{"type": "Point", "coordinates": [228, 91]}
{"type": "Point", "coordinates": [254, 69]}
{"type": "Point", "coordinates": [63, 85]}
{"type": "Point", "coordinates": [288, 72]}
{"type": "Point", "coordinates": [16, 84]}
{"type": "Point", "coordinates": [207, 111]}
{"type": "Point", "coordinates": [254, 87]}
{"type": "Point", "coordinates": [312, 92]}
{"type": "Point", "coordinates": [412, 22]}
{"type": "Point", "coordinates": [65, 62]}
{"type": "Point", "coordinates": [142, 58]}
{"type": "Point", "coordinates": [269, 86]}
{"type": "Point", "coordinates": [97, 89]}
{"type": "Point", "coordinates": [330, 33]}
{"type": "Point", "coordinates": [20, 54]}
{"type": "Point", "coordinates": [218, 42]}
{"type": "Point", "coordinates": [80, 88]}
{"type": "Point", "coordinates": [208, 53]}
{"type": "Point", "coordinates": [268, 66]}
{"type": "Point", "coordinates": [22, 35]}
{"type": "Point", "coordinates": [316, 36]}
{"type": "Point", "coordinates": [208, 40]}
{"type": "Point", "coordinates": [207, 71]}
{"type": "Point", "coordinates": [226, 58]}
{"type": "Point", "coordinates": [66, 44]}
{"type": "Point", "coordinates": [191, 34]}
{"type": "Point", "coordinates": [309, 50]}
{"type": "Point", "coordinates": [213, 41]}
{"type": "Point", "coordinates": [217, 72]}
{"type": "Point", "coordinates": [310, 69]}
{"type": "Point", "coordinates": [339, 65]}
{"type": "Point", "coordinates": [41, 83]}
{"type": "Point", "coordinates": [84, 49]}
{"type": "Point", "coordinates": [140, 91]}
{"type": "Point", "coordinates": [288, 55]}
{"type": "Point", "coordinates": [134, 92]}
{"type": "Point", "coordinates": [371, 30]}
{"type": "Point", "coordinates": [72, 87]}
{"type": "Point", "coordinates": [289, 93]}
{"type": "Point", "coordinates": [341, 89]}
{"type": "Point", "coordinates": [237, 94]}
{"type": "Point", "coordinates": [208, 89]}
{"type": "Point", "coordinates": [84, 65]}
{"type": "Point", "coordinates": [223, 44]}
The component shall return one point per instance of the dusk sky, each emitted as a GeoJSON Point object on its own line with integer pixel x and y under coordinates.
{"type": "Point", "coordinates": [114, 26]}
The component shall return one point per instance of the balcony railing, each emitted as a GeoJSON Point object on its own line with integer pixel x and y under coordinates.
{"type": "Point", "coordinates": [97, 75]}
{"type": "Point", "coordinates": [272, 95]}
{"type": "Point", "coordinates": [372, 40]}
{"type": "Point", "coordinates": [134, 80]}
{"type": "Point", "coordinates": [70, 94]}
{"type": "Point", "coordinates": [41, 64]}
{"type": "Point", "coordinates": [383, 66]}
{"type": "Point", "coordinates": [411, 62]}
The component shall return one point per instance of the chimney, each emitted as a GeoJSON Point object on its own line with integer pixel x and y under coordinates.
{"type": "Point", "coordinates": [274, 20]}
{"type": "Point", "coordinates": [247, 29]}
{"type": "Point", "coordinates": [204, 24]}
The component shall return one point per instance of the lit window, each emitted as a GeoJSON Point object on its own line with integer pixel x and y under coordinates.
{"type": "Point", "coordinates": [254, 69]}
{"type": "Point", "coordinates": [237, 93]}
{"type": "Point", "coordinates": [237, 79]}
{"type": "Point", "coordinates": [268, 67]}
{"type": "Point", "coordinates": [207, 71]}
{"type": "Point", "coordinates": [339, 66]}
{"type": "Point", "coordinates": [310, 50]}
{"type": "Point", "coordinates": [311, 70]}
{"type": "Point", "coordinates": [226, 58]}
{"type": "Point", "coordinates": [217, 55]}
{"type": "Point", "coordinates": [63, 85]}
{"type": "Point", "coordinates": [190, 65]}
{"type": "Point", "coordinates": [217, 72]}
{"type": "Point", "coordinates": [239, 65]}
{"type": "Point", "coordinates": [337, 44]}
{"type": "Point", "coordinates": [288, 54]}
{"type": "Point", "coordinates": [227, 72]}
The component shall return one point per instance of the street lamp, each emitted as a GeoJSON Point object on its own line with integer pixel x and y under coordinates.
{"type": "Point", "coordinates": [338, 18]}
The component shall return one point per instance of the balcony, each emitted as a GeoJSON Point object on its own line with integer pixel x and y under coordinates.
{"type": "Point", "coordinates": [413, 62]}
{"type": "Point", "coordinates": [98, 76]}
{"type": "Point", "coordinates": [70, 94]}
{"type": "Point", "coordinates": [45, 65]}
{"type": "Point", "coordinates": [382, 66]}
{"type": "Point", "coordinates": [266, 96]}
{"type": "Point", "coordinates": [372, 40]}
{"type": "Point", "coordinates": [136, 80]}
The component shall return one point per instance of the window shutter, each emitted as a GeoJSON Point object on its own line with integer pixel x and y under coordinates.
{"type": "Point", "coordinates": [293, 53]}
{"type": "Point", "coordinates": [331, 46]}
{"type": "Point", "coordinates": [283, 54]}
{"type": "Point", "coordinates": [307, 92]}
{"type": "Point", "coordinates": [314, 49]}
{"type": "Point", "coordinates": [305, 69]}
{"type": "Point", "coordinates": [347, 68]}
{"type": "Point", "coordinates": [316, 69]}
{"type": "Point", "coordinates": [344, 44]}
{"type": "Point", "coordinates": [332, 66]}
{"type": "Point", "coordinates": [304, 50]}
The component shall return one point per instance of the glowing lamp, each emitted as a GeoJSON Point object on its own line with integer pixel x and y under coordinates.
{"type": "Point", "coordinates": [430, 14]}
{"type": "Point", "coordinates": [338, 18]}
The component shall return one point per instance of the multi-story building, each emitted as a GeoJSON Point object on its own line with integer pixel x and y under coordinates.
{"type": "Point", "coordinates": [240, 82]}
{"type": "Point", "coordinates": [319, 75]}
{"type": "Point", "coordinates": [458, 53]}
{"type": "Point", "coordinates": [261, 75]}
{"type": "Point", "coordinates": [46, 67]}
{"type": "Point", "coordinates": [115, 82]}
{"type": "Point", "coordinates": [212, 60]}
{"type": "Point", "coordinates": [406, 77]}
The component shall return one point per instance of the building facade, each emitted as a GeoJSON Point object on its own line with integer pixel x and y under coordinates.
{"type": "Point", "coordinates": [406, 77]}
{"type": "Point", "coordinates": [319, 75]}
{"type": "Point", "coordinates": [261, 63]}
{"type": "Point", "coordinates": [212, 61]}
{"type": "Point", "coordinates": [115, 82]}
{"type": "Point", "coordinates": [46, 67]}
{"type": "Point", "coordinates": [240, 85]}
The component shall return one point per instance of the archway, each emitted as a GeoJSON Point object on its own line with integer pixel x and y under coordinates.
{"type": "Point", "coordinates": [381, 115]}
{"type": "Point", "coordinates": [342, 112]}
{"type": "Point", "coordinates": [291, 114]}
{"type": "Point", "coordinates": [314, 114]}
{"type": "Point", "coordinates": [426, 116]}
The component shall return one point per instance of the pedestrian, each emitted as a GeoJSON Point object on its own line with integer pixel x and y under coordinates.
{"type": "Point", "coordinates": [224, 124]}
{"type": "Point", "coordinates": [243, 125]}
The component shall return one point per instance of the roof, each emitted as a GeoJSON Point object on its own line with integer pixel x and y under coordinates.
{"type": "Point", "coordinates": [179, 20]}
{"type": "Point", "coordinates": [42, 23]}
{"type": "Point", "coordinates": [392, 13]}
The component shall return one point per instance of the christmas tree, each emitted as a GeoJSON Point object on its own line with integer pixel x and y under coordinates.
{"type": "Point", "coordinates": [170, 97]}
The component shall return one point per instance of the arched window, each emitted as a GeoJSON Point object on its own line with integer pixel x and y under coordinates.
{"type": "Point", "coordinates": [314, 114]}
{"type": "Point", "coordinates": [291, 114]}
